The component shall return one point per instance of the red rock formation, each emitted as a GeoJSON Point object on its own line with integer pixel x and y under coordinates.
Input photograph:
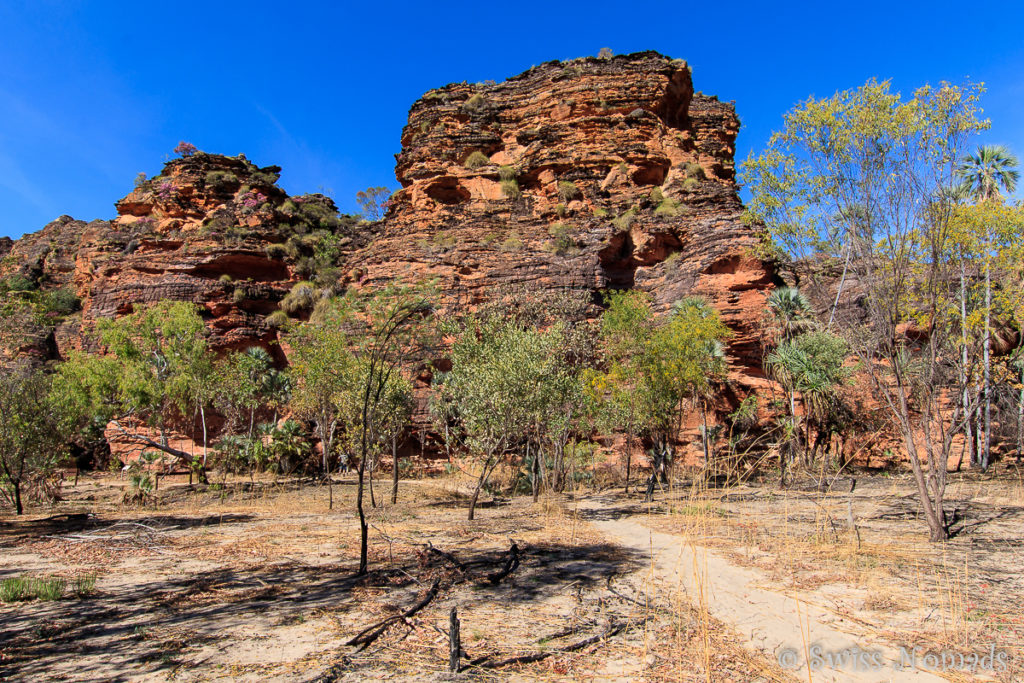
{"type": "Point", "coordinates": [623, 177]}
{"type": "Point", "coordinates": [209, 229]}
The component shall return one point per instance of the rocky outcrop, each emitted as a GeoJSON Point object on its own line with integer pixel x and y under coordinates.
{"type": "Point", "coordinates": [582, 175]}
{"type": "Point", "coordinates": [209, 229]}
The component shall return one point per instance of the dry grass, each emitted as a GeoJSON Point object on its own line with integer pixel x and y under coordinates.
{"type": "Point", "coordinates": [254, 581]}
{"type": "Point", "coordinates": [961, 595]}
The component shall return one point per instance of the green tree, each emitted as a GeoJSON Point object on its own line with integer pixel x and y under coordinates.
{"type": "Point", "coordinates": [791, 311]}
{"type": "Point", "coordinates": [683, 360]}
{"type": "Point", "coordinates": [984, 174]}
{"type": "Point", "coordinates": [620, 393]}
{"type": "Point", "coordinates": [489, 400]}
{"type": "Point", "coordinates": [343, 362]}
{"type": "Point", "coordinates": [889, 160]}
{"type": "Point", "coordinates": [147, 375]}
{"type": "Point", "coordinates": [34, 429]}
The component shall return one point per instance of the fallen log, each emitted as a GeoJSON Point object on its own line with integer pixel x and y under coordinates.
{"type": "Point", "coordinates": [511, 563]}
{"type": "Point", "coordinates": [371, 633]}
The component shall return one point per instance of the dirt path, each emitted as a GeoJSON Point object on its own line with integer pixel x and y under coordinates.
{"type": "Point", "coordinates": [785, 627]}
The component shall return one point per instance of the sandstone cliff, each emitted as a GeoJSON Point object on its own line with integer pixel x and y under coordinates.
{"type": "Point", "coordinates": [582, 175]}
{"type": "Point", "coordinates": [209, 229]}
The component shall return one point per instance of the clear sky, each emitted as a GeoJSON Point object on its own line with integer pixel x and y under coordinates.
{"type": "Point", "coordinates": [93, 92]}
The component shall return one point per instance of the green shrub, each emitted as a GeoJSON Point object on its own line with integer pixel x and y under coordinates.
{"type": "Point", "coordinates": [507, 172]}
{"type": "Point", "coordinates": [225, 279]}
{"type": "Point", "coordinates": [301, 298]}
{"type": "Point", "coordinates": [567, 191]}
{"type": "Point", "coordinates": [474, 103]}
{"type": "Point", "coordinates": [624, 221]}
{"type": "Point", "coordinates": [657, 196]}
{"type": "Point", "coordinates": [690, 184]}
{"type": "Point", "coordinates": [19, 283]}
{"type": "Point", "coordinates": [238, 296]}
{"type": "Point", "coordinates": [600, 212]}
{"type": "Point", "coordinates": [276, 251]}
{"type": "Point", "coordinates": [672, 262]}
{"type": "Point", "coordinates": [561, 210]}
{"type": "Point", "coordinates": [278, 319]}
{"type": "Point", "coordinates": [476, 160]}
{"type": "Point", "coordinates": [693, 170]}
{"type": "Point", "coordinates": [512, 243]}
{"type": "Point", "coordinates": [668, 207]}
{"type": "Point", "coordinates": [510, 188]}
{"type": "Point", "coordinates": [63, 301]}
{"type": "Point", "coordinates": [49, 589]}
{"type": "Point", "coordinates": [24, 588]}
{"type": "Point", "coordinates": [221, 180]}
{"type": "Point", "coordinates": [561, 243]}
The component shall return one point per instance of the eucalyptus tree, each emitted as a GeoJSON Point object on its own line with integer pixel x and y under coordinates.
{"type": "Point", "coordinates": [683, 360]}
{"type": "Point", "coordinates": [891, 158]}
{"type": "Point", "coordinates": [984, 175]}
{"type": "Point", "coordinates": [495, 389]}
{"type": "Point", "coordinates": [343, 362]}
{"type": "Point", "coordinates": [147, 375]}
{"type": "Point", "coordinates": [620, 393]}
{"type": "Point", "coordinates": [34, 429]}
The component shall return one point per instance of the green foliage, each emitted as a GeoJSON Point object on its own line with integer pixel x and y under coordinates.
{"type": "Point", "coordinates": [668, 207]}
{"type": "Point", "coordinates": [476, 160]}
{"type": "Point", "coordinates": [83, 585]}
{"type": "Point", "coordinates": [653, 368]}
{"type": "Point", "coordinates": [278, 319]}
{"type": "Point", "coordinates": [221, 181]}
{"type": "Point", "coordinates": [811, 364]}
{"type": "Point", "coordinates": [17, 283]}
{"type": "Point", "coordinates": [791, 311]}
{"type": "Point", "coordinates": [475, 103]}
{"type": "Point", "coordinates": [561, 242]}
{"type": "Point", "coordinates": [510, 188]}
{"type": "Point", "coordinates": [506, 172]}
{"type": "Point", "coordinates": [157, 362]}
{"type": "Point", "coordinates": [35, 423]}
{"type": "Point", "coordinates": [567, 191]}
{"type": "Point", "coordinates": [623, 222]}
{"type": "Point", "coordinates": [20, 588]}
{"type": "Point", "coordinates": [657, 195]}
{"type": "Point", "coordinates": [600, 212]}
{"type": "Point", "coordinates": [238, 295]}
{"type": "Point", "coordinates": [690, 184]}
{"type": "Point", "coordinates": [444, 241]}
{"type": "Point", "coordinates": [512, 244]}
{"type": "Point", "coordinates": [693, 171]}
{"type": "Point", "coordinates": [302, 297]}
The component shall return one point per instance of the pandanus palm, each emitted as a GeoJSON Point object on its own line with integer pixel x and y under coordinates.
{"type": "Point", "coordinates": [791, 311]}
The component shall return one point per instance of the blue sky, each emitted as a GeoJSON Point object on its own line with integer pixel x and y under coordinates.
{"type": "Point", "coordinates": [92, 93]}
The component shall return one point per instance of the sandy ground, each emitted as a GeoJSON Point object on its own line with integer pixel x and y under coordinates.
{"type": "Point", "coordinates": [255, 582]}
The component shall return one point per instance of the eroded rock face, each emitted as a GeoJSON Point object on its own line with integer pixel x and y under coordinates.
{"type": "Point", "coordinates": [582, 175]}
{"type": "Point", "coordinates": [210, 229]}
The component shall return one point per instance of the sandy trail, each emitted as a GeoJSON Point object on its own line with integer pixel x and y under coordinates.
{"type": "Point", "coordinates": [785, 627]}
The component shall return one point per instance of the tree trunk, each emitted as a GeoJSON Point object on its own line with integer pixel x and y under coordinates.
{"type": "Point", "coordinates": [536, 474]}
{"type": "Point", "coordinates": [476, 492]}
{"type": "Point", "coordinates": [629, 459]}
{"type": "Point", "coordinates": [18, 507]}
{"type": "Point", "coordinates": [985, 455]}
{"type": "Point", "coordinates": [394, 468]}
{"type": "Point", "coordinates": [364, 529]}
{"type": "Point", "coordinates": [968, 430]}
